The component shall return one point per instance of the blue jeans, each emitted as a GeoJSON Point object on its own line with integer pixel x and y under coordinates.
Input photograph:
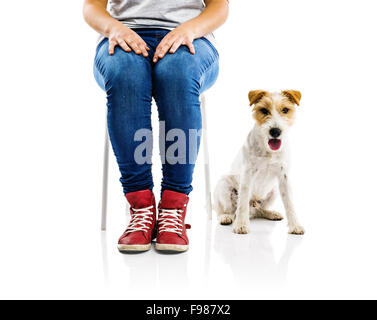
{"type": "Point", "coordinates": [175, 82]}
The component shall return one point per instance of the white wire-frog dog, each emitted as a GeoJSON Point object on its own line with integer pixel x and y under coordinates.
{"type": "Point", "coordinates": [261, 166]}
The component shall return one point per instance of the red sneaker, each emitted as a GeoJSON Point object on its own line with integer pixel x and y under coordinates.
{"type": "Point", "coordinates": [171, 233]}
{"type": "Point", "coordinates": [138, 236]}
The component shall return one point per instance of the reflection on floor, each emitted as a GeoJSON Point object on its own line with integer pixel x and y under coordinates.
{"type": "Point", "coordinates": [252, 258]}
{"type": "Point", "coordinates": [216, 253]}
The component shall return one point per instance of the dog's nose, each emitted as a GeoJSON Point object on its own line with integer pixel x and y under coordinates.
{"type": "Point", "coordinates": [275, 132]}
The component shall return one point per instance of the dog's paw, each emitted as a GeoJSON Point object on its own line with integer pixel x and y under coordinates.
{"type": "Point", "coordinates": [276, 216]}
{"type": "Point", "coordinates": [226, 219]}
{"type": "Point", "coordinates": [298, 230]}
{"type": "Point", "coordinates": [241, 228]}
{"type": "Point", "coordinates": [272, 215]}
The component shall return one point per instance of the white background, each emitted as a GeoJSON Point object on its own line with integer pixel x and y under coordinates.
{"type": "Point", "coordinates": [52, 130]}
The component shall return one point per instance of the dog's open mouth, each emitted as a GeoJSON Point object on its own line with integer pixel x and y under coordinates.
{"type": "Point", "coordinates": [274, 144]}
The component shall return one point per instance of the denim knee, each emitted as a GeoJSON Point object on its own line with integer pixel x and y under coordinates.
{"type": "Point", "coordinates": [178, 73]}
{"type": "Point", "coordinates": [125, 72]}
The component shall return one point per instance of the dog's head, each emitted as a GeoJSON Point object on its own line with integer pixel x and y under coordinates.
{"type": "Point", "coordinates": [274, 114]}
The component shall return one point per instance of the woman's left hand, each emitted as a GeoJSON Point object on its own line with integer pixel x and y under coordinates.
{"type": "Point", "coordinates": [182, 35]}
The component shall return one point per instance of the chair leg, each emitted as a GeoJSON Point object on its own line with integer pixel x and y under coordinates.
{"type": "Point", "coordinates": [105, 181]}
{"type": "Point", "coordinates": [206, 159]}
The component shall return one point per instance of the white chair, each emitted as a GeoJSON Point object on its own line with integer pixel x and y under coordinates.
{"type": "Point", "coordinates": [206, 169]}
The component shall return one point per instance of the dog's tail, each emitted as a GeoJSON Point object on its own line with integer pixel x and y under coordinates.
{"type": "Point", "coordinates": [226, 195]}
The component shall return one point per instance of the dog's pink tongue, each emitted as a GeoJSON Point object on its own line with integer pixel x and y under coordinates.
{"type": "Point", "coordinates": [274, 144]}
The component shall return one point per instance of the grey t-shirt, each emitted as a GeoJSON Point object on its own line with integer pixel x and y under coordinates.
{"type": "Point", "coordinates": [164, 14]}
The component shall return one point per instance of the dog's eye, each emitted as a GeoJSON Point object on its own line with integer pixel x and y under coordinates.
{"type": "Point", "coordinates": [264, 111]}
{"type": "Point", "coordinates": [285, 110]}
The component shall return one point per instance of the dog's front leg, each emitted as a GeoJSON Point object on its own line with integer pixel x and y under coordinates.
{"type": "Point", "coordinates": [285, 191]}
{"type": "Point", "coordinates": [242, 222]}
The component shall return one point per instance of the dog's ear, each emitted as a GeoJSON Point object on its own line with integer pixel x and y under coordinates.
{"type": "Point", "coordinates": [255, 96]}
{"type": "Point", "coordinates": [293, 95]}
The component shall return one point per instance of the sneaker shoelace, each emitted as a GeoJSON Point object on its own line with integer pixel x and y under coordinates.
{"type": "Point", "coordinates": [170, 220]}
{"type": "Point", "coordinates": [141, 220]}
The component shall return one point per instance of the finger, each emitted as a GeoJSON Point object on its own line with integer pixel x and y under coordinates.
{"type": "Point", "coordinates": [124, 46]}
{"type": "Point", "coordinates": [112, 45]}
{"type": "Point", "coordinates": [175, 46]}
{"type": "Point", "coordinates": [143, 48]}
{"type": "Point", "coordinates": [163, 50]}
{"type": "Point", "coordinates": [191, 47]}
{"type": "Point", "coordinates": [157, 52]}
{"type": "Point", "coordinates": [134, 46]}
{"type": "Point", "coordinates": [160, 48]}
{"type": "Point", "coordinates": [142, 43]}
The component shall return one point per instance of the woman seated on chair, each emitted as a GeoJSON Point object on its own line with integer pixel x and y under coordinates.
{"type": "Point", "coordinates": [163, 49]}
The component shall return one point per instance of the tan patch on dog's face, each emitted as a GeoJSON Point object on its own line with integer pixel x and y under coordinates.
{"type": "Point", "coordinates": [263, 109]}
{"type": "Point", "coordinates": [286, 110]}
{"type": "Point", "coordinates": [270, 104]}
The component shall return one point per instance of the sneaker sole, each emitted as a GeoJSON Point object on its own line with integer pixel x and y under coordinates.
{"type": "Point", "coordinates": [134, 247]}
{"type": "Point", "coordinates": [171, 247]}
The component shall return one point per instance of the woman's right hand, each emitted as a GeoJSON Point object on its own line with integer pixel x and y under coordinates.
{"type": "Point", "coordinates": [127, 39]}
